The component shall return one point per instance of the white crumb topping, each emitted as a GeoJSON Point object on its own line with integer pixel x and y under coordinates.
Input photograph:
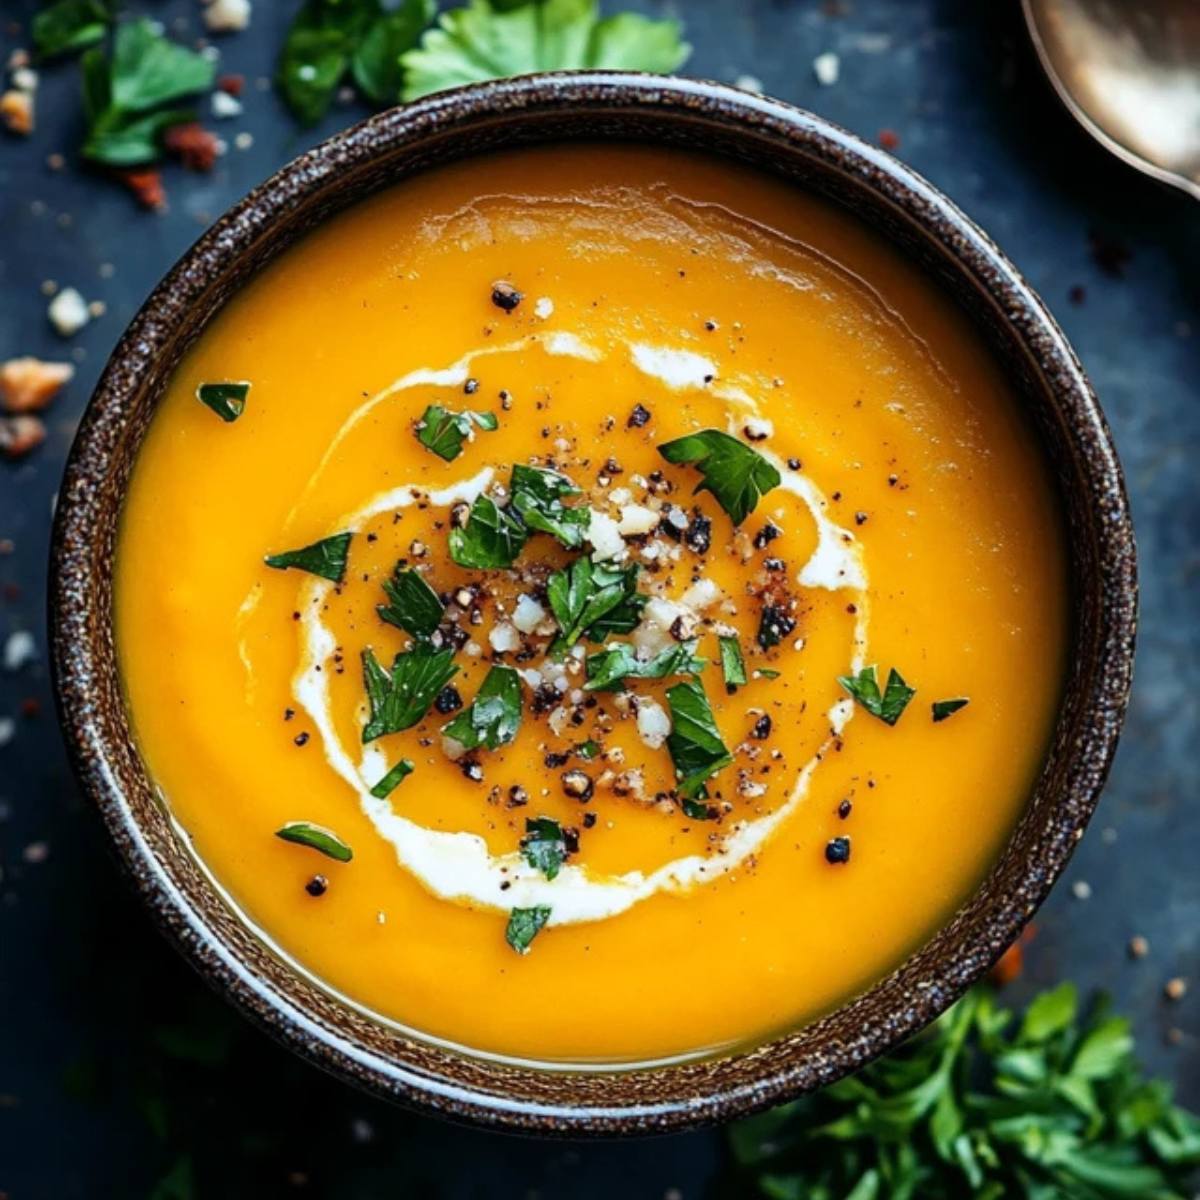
{"type": "Point", "coordinates": [605, 536]}
{"type": "Point", "coordinates": [653, 724]}
{"type": "Point", "coordinates": [504, 638]}
{"type": "Point", "coordinates": [635, 520]}
{"type": "Point", "coordinates": [528, 614]}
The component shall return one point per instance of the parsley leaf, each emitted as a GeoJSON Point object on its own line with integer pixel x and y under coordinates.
{"type": "Point", "coordinates": [443, 430]}
{"type": "Point", "coordinates": [412, 604]}
{"type": "Point", "coordinates": [227, 400]}
{"type": "Point", "coordinates": [619, 661]}
{"type": "Point", "coordinates": [737, 476]}
{"type": "Point", "coordinates": [538, 494]}
{"type": "Point", "coordinates": [492, 538]}
{"type": "Point", "coordinates": [401, 697]}
{"type": "Point", "coordinates": [584, 593]}
{"type": "Point", "coordinates": [316, 837]}
{"type": "Point", "coordinates": [695, 740]}
{"type": "Point", "coordinates": [69, 25]}
{"type": "Point", "coordinates": [983, 1105]}
{"type": "Point", "coordinates": [864, 687]}
{"type": "Point", "coordinates": [393, 779]}
{"type": "Point", "coordinates": [329, 38]}
{"type": "Point", "coordinates": [494, 717]}
{"type": "Point", "coordinates": [123, 96]}
{"type": "Point", "coordinates": [490, 39]}
{"type": "Point", "coordinates": [543, 846]}
{"type": "Point", "coordinates": [524, 924]}
{"type": "Point", "coordinates": [947, 708]}
{"type": "Point", "coordinates": [733, 665]}
{"type": "Point", "coordinates": [326, 558]}
{"type": "Point", "coordinates": [697, 810]}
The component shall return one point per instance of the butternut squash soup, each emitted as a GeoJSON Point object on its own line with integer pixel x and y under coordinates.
{"type": "Point", "coordinates": [592, 604]}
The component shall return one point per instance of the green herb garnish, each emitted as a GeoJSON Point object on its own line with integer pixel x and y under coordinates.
{"type": "Point", "coordinates": [326, 558]}
{"type": "Point", "coordinates": [864, 687]}
{"type": "Point", "coordinates": [588, 598]}
{"type": "Point", "coordinates": [329, 39]}
{"type": "Point", "coordinates": [524, 924]}
{"type": "Point", "coordinates": [412, 604]}
{"type": "Point", "coordinates": [227, 400]}
{"type": "Point", "coordinates": [492, 538]}
{"type": "Point", "coordinates": [488, 40]}
{"type": "Point", "coordinates": [980, 1105]}
{"type": "Point", "coordinates": [401, 697]}
{"type": "Point", "coordinates": [393, 779]}
{"type": "Point", "coordinates": [494, 717]}
{"type": "Point", "coordinates": [588, 750]}
{"type": "Point", "coordinates": [695, 740]}
{"type": "Point", "coordinates": [619, 661]}
{"type": "Point", "coordinates": [69, 25]}
{"type": "Point", "coordinates": [543, 846]}
{"type": "Point", "coordinates": [123, 96]}
{"type": "Point", "coordinates": [733, 665]}
{"type": "Point", "coordinates": [767, 672]}
{"type": "Point", "coordinates": [947, 708]}
{"type": "Point", "coordinates": [443, 430]}
{"type": "Point", "coordinates": [538, 495]}
{"type": "Point", "coordinates": [697, 810]}
{"type": "Point", "coordinates": [737, 476]}
{"type": "Point", "coordinates": [316, 837]}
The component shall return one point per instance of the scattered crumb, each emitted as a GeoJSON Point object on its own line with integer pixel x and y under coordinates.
{"type": "Point", "coordinates": [19, 649]}
{"type": "Point", "coordinates": [1138, 947]}
{"type": "Point", "coordinates": [827, 67]}
{"type": "Point", "coordinates": [749, 83]}
{"type": "Point", "coordinates": [8, 729]}
{"type": "Point", "coordinates": [29, 384]}
{"type": "Point", "coordinates": [68, 312]}
{"type": "Point", "coordinates": [55, 161]}
{"type": "Point", "coordinates": [244, 141]}
{"type": "Point", "coordinates": [20, 434]}
{"type": "Point", "coordinates": [889, 139]}
{"type": "Point", "coordinates": [543, 307]}
{"type": "Point", "coordinates": [1175, 989]}
{"type": "Point", "coordinates": [195, 146]}
{"type": "Point", "coordinates": [36, 852]}
{"type": "Point", "coordinates": [226, 16]}
{"type": "Point", "coordinates": [225, 106]}
{"type": "Point", "coordinates": [16, 111]}
{"type": "Point", "coordinates": [1081, 889]}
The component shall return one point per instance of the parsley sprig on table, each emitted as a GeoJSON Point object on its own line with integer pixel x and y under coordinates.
{"type": "Point", "coordinates": [987, 1106]}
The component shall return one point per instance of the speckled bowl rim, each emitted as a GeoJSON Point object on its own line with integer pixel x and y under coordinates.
{"type": "Point", "coordinates": [646, 1099]}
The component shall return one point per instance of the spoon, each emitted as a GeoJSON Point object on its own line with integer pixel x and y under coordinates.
{"type": "Point", "coordinates": [1129, 73]}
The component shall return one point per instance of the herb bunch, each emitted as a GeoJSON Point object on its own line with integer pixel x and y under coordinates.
{"type": "Point", "coordinates": [984, 1105]}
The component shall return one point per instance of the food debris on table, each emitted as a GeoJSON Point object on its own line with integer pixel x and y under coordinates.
{"type": "Point", "coordinates": [19, 650]}
{"type": "Point", "coordinates": [28, 384]}
{"type": "Point", "coordinates": [226, 16]}
{"type": "Point", "coordinates": [827, 68]}
{"type": "Point", "coordinates": [68, 312]}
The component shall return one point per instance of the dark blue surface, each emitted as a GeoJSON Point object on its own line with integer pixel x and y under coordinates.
{"type": "Point", "coordinates": [115, 1062]}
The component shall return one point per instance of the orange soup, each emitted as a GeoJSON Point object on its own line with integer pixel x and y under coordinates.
{"type": "Point", "coordinates": [592, 604]}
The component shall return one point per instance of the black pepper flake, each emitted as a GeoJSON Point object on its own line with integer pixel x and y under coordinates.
{"type": "Point", "coordinates": [860, 518]}
{"type": "Point", "coordinates": [318, 885]}
{"type": "Point", "coordinates": [766, 535]}
{"type": "Point", "coordinates": [554, 759]}
{"type": "Point", "coordinates": [448, 700]}
{"type": "Point", "coordinates": [773, 626]}
{"type": "Point", "coordinates": [301, 739]}
{"type": "Point", "coordinates": [638, 417]}
{"type": "Point", "coordinates": [698, 536]}
{"type": "Point", "coordinates": [774, 564]}
{"type": "Point", "coordinates": [505, 296]}
{"type": "Point", "coordinates": [589, 819]}
{"type": "Point", "coordinates": [517, 796]}
{"type": "Point", "coordinates": [578, 785]}
{"type": "Point", "coordinates": [471, 386]}
{"type": "Point", "coordinates": [837, 851]}
{"type": "Point", "coordinates": [762, 728]}
{"type": "Point", "coordinates": [288, 713]}
{"type": "Point", "coordinates": [471, 769]}
{"type": "Point", "coordinates": [844, 809]}
{"type": "Point", "coordinates": [793, 464]}
{"type": "Point", "coordinates": [545, 697]}
{"type": "Point", "coordinates": [570, 837]}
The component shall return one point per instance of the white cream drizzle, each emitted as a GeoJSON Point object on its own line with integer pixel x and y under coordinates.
{"type": "Point", "coordinates": [457, 865]}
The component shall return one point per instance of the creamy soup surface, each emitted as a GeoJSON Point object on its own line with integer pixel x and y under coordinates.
{"type": "Point", "coordinates": [621, 766]}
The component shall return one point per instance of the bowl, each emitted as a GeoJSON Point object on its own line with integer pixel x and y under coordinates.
{"type": "Point", "coordinates": [715, 120]}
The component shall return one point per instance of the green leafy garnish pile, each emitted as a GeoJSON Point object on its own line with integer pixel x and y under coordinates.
{"type": "Point", "coordinates": [412, 604]}
{"type": "Point", "coordinates": [489, 39]}
{"type": "Point", "coordinates": [888, 705]}
{"type": "Point", "coordinates": [443, 430]}
{"type": "Point", "coordinates": [590, 599]}
{"type": "Point", "coordinates": [619, 661]}
{"type": "Point", "coordinates": [1051, 1107]}
{"type": "Point", "coordinates": [737, 476]}
{"type": "Point", "coordinates": [126, 95]}
{"type": "Point", "coordinates": [494, 717]}
{"type": "Point", "coordinates": [401, 697]}
{"type": "Point", "coordinates": [695, 741]}
{"type": "Point", "coordinates": [537, 497]}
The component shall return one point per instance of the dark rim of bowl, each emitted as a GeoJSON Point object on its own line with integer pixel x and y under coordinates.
{"type": "Point", "coordinates": [714, 119]}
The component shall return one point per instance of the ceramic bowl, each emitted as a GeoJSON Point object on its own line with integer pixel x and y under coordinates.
{"type": "Point", "coordinates": [714, 120]}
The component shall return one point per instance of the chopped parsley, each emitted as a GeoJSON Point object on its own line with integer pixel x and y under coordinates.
{"type": "Point", "coordinates": [864, 687]}
{"type": "Point", "coordinates": [492, 538]}
{"type": "Point", "coordinates": [543, 846]}
{"type": "Point", "coordinates": [588, 750]}
{"type": "Point", "coordinates": [443, 430]}
{"type": "Point", "coordinates": [494, 717]}
{"type": "Point", "coordinates": [695, 741]}
{"type": "Point", "coordinates": [733, 665]}
{"type": "Point", "coordinates": [326, 558]}
{"type": "Point", "coordinates": [69, 25]}
{"type": "Point", "coordinates": [412, 604]}
{"type": "Point", "coordinates": [524, 924]}
{"type": "Point", "coordinates": [538, 495]}
{"type": "Point", "coordinates": [393, 779]}
{"type": "Point", "coordinates": [737, 476]}
{"type": "Point", "coordinates": [401, 697]}
{"type": "Point", "coordinates": [316, 837]}
{"type": "Point", "coordinates": [588, 598]}
{"type": "Point", "coordinates": [227, 400]}
{"type": "Point", "coordinates": [697, 810]}
{"type": "Point", "coordinates": [947, 708]}
{"type": "Point", "coordinates": [619, 661]}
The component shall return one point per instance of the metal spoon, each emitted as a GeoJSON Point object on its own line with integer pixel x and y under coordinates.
{"type": "Point", "coordinates": [1129, 72]}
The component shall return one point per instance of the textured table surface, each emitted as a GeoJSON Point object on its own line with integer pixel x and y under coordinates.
{"type": "Point", "coordinates": [116, 1063]}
